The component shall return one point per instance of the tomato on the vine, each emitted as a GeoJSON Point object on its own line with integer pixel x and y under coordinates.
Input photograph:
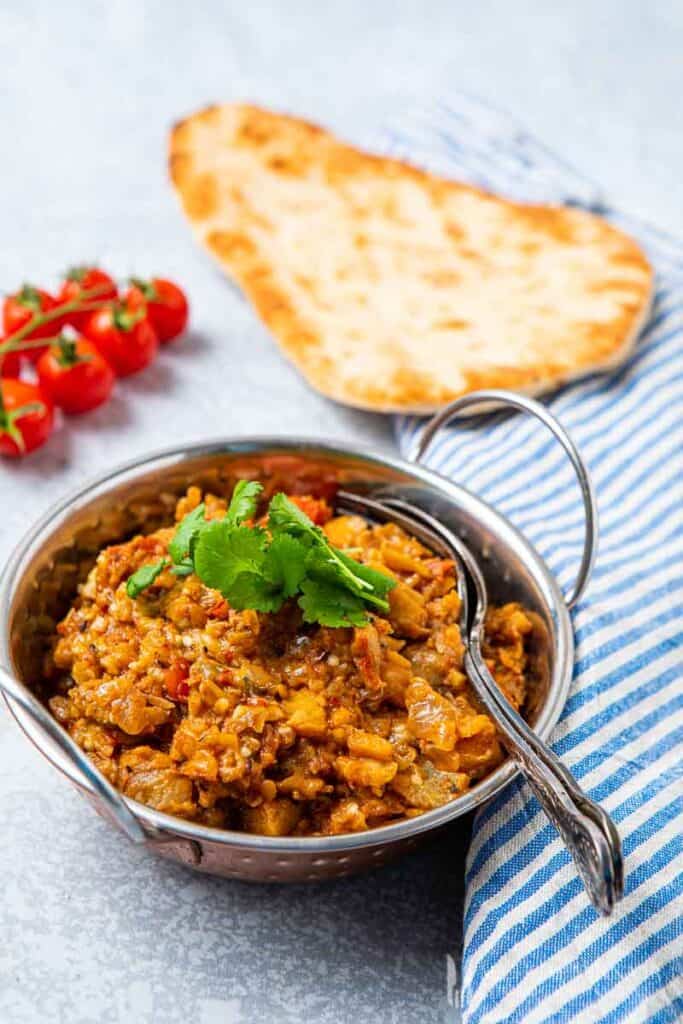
{"type": "Point", "coordinates": [74, 375]}
{"type": "Point", "coordinates": [167, 306]}
{"type": "Point", "coordinates": [26, 418]}
{"type": "Point", "coordinates": [124, 337]}
{"type": "Point", "coordinates": [107, 335]}
{"type": "Point", "coordinates": [20, 307]}
{"type": "Point", "coordinates": [86, 279]}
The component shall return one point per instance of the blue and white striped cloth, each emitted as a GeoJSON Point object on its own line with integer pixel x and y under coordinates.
{"type": "Point", "coordinates": [534, 949]}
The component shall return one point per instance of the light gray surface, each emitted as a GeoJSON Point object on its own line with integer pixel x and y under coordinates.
{"type": "Point", "coordinates": [91, 930]}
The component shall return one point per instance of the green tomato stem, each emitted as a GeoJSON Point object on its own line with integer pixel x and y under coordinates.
{"type": "Point", "coordinates": [79, 305]}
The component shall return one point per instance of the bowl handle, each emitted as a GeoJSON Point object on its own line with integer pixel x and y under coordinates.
{"type": "Point", "coordinates": [494, 397]}
{"type": "Point", "coordinates": [92, 780]}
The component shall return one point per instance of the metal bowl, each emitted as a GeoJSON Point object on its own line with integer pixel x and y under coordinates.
{"type": "Point", "coordinates": [41, 577]}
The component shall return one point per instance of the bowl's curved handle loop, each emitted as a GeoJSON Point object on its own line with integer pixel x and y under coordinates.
{"type": "Point", "coordinates": [92, 780]}
{"type": "Point", "coordinates": [496, 398]}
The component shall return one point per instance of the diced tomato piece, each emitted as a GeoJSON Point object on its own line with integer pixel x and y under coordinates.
{"type": "Point", "coordinates": [175, 680]}
{"type": "Point", "coordinates": [219, 609]}
{"type": "Point", "coordinates": [317, 509]}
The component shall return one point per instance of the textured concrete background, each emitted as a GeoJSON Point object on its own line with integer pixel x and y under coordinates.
{"type": "Point", "coordinates": [91, 930]}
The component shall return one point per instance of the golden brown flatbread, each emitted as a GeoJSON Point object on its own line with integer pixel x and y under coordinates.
{"type": "Point", "coordinates": [395, 290]}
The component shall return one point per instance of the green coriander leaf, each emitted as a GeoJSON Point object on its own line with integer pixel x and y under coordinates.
{"type": "Point", "coordinates": [244, 501]}
{"type": "Point", "coordinates": [331, 605]}
{"type": "Point", "coordinates": [334, 567]}
{"type": "Point", "coordinates": [379, 581]}
{"type": "Point", "coordinates": [255, 569]}
{"type": "Point", "coordinates": [250, 590]}
{"type": "Point", "coordinates": [222, 552]}
{"type": "Point", "coordinates": [185, 568]}
{"type": "Point", "coordinates": [326, 561]}
{"type": "Point", "coordinates": [283, 514]}
{"type": "Point", "coordinates": [144, 577]}
{"type": "Point", "coordinates": [286, 565]}
{"type": "Point", "coordinates": [188, 528]}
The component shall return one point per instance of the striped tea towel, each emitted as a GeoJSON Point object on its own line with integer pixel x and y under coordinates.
{"type": "Point", "coordinates": [534, 948]}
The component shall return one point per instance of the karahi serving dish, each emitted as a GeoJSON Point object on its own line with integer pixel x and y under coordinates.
{"type": "Point", "coordinates": [43, 573]}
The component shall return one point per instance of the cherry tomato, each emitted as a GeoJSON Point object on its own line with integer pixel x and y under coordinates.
{"type": "Point", "coordinates": [74, 375]}
{"type": "Point", "coordinates": [167, 306]}
{"type": "Point", "coordinates": [85, 279]}
{"type": "Point", "coordinates": [10, 363]}
{"type": "Point", "coordinates": [26, 418]}
{"type": "Point", "coordinates": [124, 337]}
{"type": "Point", "coordinates": [18, 309]}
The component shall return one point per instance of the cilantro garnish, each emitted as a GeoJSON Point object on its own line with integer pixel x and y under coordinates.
{"type": "Point", "coordinates": [244, 502]}
{"type": "Point", "coordinates": [330, 605]}
{"type": "Point", "coordinates": [145, 577]}
{"type": "Point", "coordinates": [257, 568]}
{"type": "Point", "coordinates": [183, 541]}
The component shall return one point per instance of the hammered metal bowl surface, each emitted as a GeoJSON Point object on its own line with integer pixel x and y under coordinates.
{"type": "Point", "coordinates": [41, 578]}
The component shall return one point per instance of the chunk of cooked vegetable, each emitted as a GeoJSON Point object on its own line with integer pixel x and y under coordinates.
{"type": "Point", "coordinates": [306, 714]}
{"type": "Point", "coordinates": [273, 818]}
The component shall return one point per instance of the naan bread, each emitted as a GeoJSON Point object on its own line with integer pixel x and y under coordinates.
{"type": "Point", "coordinates": [395, 290]}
